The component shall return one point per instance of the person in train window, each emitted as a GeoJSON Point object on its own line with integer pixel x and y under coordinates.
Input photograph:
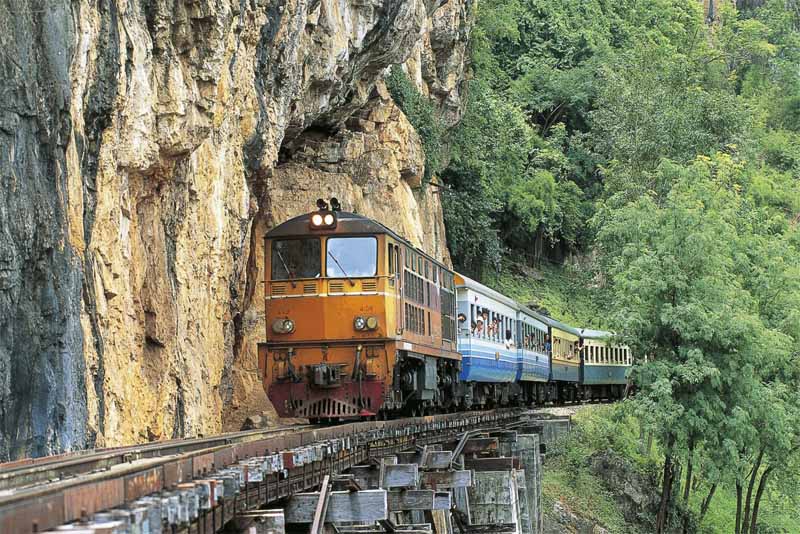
{"type": "Point", "coordinates": [473, 327]}
{"type": "Point", "coordinates": [479, 327]}
{"type": "Point", "coordinates": [509, 341]}
{"type": "Point", "coordinates": [485, 319]}
{"type": "Point", "coordinates": [496, 329]}
{"type": "Point", "coordinates": [548, 347]}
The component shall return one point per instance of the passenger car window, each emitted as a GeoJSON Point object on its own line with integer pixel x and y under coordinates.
{"type": "Point", "coordinates": [295, 258]}
{"type": "Point", "coordinates": [351, 257]}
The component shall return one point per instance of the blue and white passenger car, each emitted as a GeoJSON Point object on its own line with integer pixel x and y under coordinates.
{"type": "Point", "coordinates": [533, 359]}
{"type": "Point", "coordinates": [486, 340]}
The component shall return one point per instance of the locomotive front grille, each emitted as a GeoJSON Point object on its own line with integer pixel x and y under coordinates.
{"type": "Point", "coordinates": [336, 287]}
{"type": "Point", "coordinates": [278, 289]}
{"type": "Point", "coordinates": [324, 408]}
{"type": "Point", "coordinates": [369, 285]}
{"type": "Point", "coordinates": [309, 288]}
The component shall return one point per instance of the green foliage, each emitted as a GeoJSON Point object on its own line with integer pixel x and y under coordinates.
{"type": "Point", "coordinates": [423, 116]}
{"type": "Point", "coordinates": [562, 291]}
{"type": "Point", "coordinates": [668, 147]}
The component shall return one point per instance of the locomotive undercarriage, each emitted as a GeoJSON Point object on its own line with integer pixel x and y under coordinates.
{"type": "Point", "coordinates": [421, 385]}
{"type": "Point", "coordinates": [424, 384]}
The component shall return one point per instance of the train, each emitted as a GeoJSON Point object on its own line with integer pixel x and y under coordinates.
{"type": "Point", "coordinates": [362, 324]}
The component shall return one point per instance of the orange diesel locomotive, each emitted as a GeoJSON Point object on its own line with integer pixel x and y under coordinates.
{"type": "Point", "coordinates": [359, 322]}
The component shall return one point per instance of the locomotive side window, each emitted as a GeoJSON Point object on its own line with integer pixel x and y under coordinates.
{"type": "Point", "coordinates": [351, 257]}
{"type": "Point", "coordinates": [390, 258]}
{"type": "Point", "coordinates": [296, 258]}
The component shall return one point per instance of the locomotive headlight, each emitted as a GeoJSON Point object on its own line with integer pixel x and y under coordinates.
{"type": "Point", "coordinates": [283, 326]}
{"type": "Point", "coordinates": [372, 323]}
{"type": "Point", "coordinates": [317, 219]}
{"type": "Point", "coordinates": [328, 219]}
{"type": "Point", "coordinates": [359, 323]}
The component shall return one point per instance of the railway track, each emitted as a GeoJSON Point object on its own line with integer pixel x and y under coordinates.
{"type": "Point", "coordinates": [41, 494]}
{"type": "Point", "coordinates": [16, 476]}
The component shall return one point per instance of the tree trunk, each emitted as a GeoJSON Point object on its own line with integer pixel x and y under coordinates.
{"type": "Point", "coordinates": [689, 467]}
{"type": "Point", "coordinates": [738, 507]}
{"type": "Point", "coordinates": [762, 484]}
{"type": "Point", "coordinates": [687, 488]}
{"type": "Point", "coordinates": [666, 488]}
{"type": "Point", "coordinates": [707, 501]}
{"type": "Point", "coordinates": [750, 485]}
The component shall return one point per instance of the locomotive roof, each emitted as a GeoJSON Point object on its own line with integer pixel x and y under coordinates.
{"type": "Point", "coordinates": [347, 223]}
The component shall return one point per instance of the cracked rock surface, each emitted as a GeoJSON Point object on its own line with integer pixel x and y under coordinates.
{"type": "Point", "coordinates": [145, 148]}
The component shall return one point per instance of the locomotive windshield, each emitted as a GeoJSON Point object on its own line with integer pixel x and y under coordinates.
{"type": "Point", "coordinates": [296, 258]}
{"type": "Point", "coordinates": [352, 257]}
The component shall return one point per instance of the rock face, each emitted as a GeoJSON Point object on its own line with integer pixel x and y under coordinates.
{"type": "Point", "coordinates": [145, 148]}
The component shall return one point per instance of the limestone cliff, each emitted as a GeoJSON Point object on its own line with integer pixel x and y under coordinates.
{"type": "Point", "coordinates": [145, 148]}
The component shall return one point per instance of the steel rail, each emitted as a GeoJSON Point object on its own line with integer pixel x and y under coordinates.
{"type": "Point", "coordinates": [41, 506]}
{"type": "Point", "coordinates": [17, 475]}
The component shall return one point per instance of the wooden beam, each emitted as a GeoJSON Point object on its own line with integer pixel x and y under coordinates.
{"type": "Point", "coordinates": [362, 506]}
{"type": "Point", "coordinates": [437, 460]}
{"type": "Point", "coordinates": [322, 506]}
{"type": "Point", "coordinates": [447, 479]}
{"type": "Point", "coordinates": [505, 463]}
{"type": "Point", "coordinates": [442, 500]}
{"type": "Point", "coordinates": [411, 500]}
{"type": "Point", "coordinates": [399, 476]}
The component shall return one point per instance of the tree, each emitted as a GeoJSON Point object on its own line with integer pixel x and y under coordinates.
{"type": "Point", "coordinates": [678, 299]}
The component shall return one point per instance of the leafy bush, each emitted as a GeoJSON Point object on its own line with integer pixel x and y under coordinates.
{"type": "Point", "coordinates": [423, 116]}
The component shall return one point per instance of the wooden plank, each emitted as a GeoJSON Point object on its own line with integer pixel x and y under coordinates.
{"type": "Point", "coordinates": [447, 479]}
{"type": "Point", "coordinates": [505, 463]}
{"type": "Point", "coordinates": [322, 506]}
{"type": "Point", "coordinates": [442, 500]}
{"type": "Point", "coordinates": [438, 459]}
{"type": "Point", "coordinates": [441, 522]}
{"type": "Point", "coordinates": [361, 506]}
{"type": "Point", "coordinates": [411, 500]}
{"type": "Point", "coordinates": [399, 476]}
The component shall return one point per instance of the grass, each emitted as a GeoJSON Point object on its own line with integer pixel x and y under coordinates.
{"type": "Point", "coordinates": [583, 494]}
{"type": "Point", "coordinates": [777, 515]}
{"type": "Point", "coordinates": [565, 292]}
{"type": "Point", "coordinates": [568, 479]}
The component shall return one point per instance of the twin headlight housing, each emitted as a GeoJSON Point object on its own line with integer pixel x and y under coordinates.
{"type": "Point", "coordinates": [323, 219]}
{"type": "Point", "coordinates": [361, 323]}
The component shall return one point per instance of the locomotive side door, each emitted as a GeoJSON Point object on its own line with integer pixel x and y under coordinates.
{"type": "Point", "coordinates": [398, 289]}
{"type": "Point", "coordinates": [395, 283]}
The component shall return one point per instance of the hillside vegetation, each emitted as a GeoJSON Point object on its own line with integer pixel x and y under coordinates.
{"type": "Point", "coordinates": [661, 144]}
